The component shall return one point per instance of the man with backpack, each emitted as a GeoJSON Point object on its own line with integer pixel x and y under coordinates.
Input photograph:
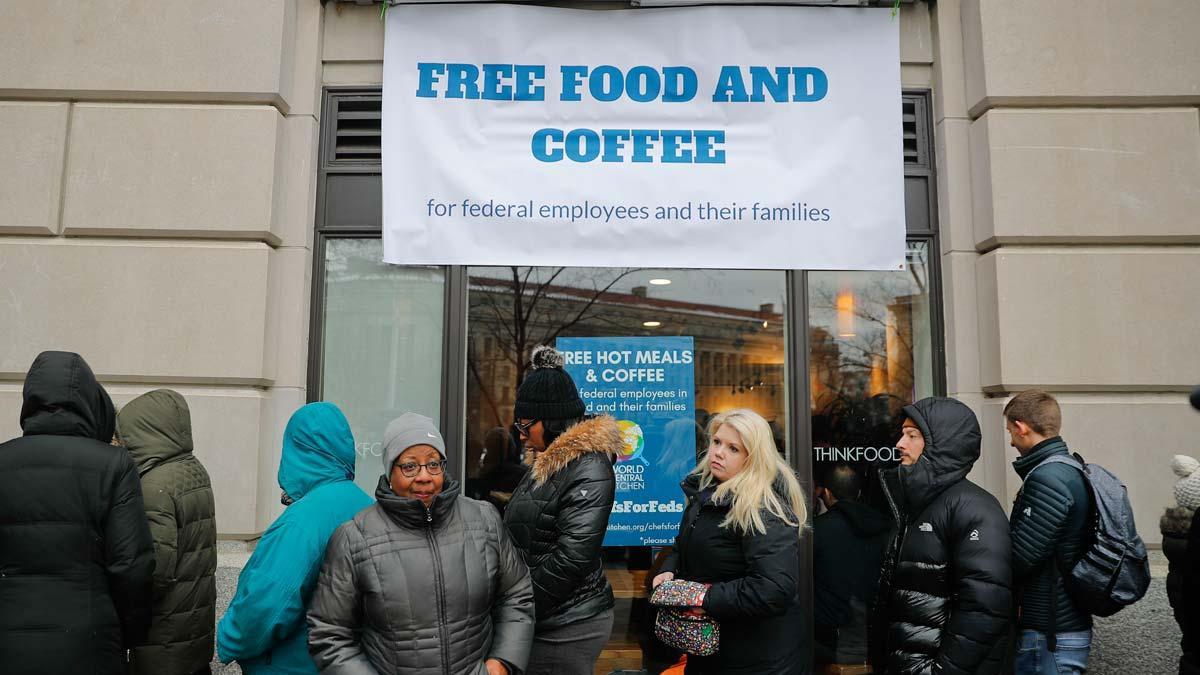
{"type": "Point", "coordinates": [1050, 529]}
{"type": "Point", "coordinates": [1075, 547]}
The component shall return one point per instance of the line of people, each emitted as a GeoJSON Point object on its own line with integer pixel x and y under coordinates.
{"type": "Point", "coordinates": [107, 554]}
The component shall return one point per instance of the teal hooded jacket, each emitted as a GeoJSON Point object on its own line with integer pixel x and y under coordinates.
{"type": "Point", "coordinates": [264, 628]}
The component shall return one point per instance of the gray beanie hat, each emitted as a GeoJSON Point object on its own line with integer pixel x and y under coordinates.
{"type": "Point", "coordinates": [406, 431]}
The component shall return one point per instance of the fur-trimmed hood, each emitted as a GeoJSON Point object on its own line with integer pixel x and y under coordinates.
{"type": "Point", "coordinates": [598, 434]}
{"type": "Point", "coordinates": [1176, 522]}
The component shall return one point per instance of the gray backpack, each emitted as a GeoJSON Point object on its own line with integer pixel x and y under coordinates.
{"type": "Point", "coordinates": [1114, 571]}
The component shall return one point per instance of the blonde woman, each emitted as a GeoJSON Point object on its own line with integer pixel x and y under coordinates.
{"type": "Point", "coordinates": [741, 533]}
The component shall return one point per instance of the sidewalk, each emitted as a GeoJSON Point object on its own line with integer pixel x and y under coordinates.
{"type": "Point", "coordinates": [1141, 639]}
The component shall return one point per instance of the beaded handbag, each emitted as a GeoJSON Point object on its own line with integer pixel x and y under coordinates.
{"type": "Point", "coordinates": [677, 625]}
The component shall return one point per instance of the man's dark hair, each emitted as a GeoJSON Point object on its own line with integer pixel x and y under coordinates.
{"type": "Point", "coordinates": [1037, 409]}
{"type": "Point", "coordinates": [843, 481]}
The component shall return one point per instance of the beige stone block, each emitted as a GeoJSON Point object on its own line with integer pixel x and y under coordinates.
{"type": "Point", "coordinates": [277, 408]}
{"type": "Point", "coordinates": [1104, 176]}
{"type": "Point", "coordinates": [949, 71]}
{"type": "Point", "coordinates": [289, 288]}
{"type": "Point", "coordinates": [138, 311]}
{"type": "Point", "coordinates": [33, 138]}
{"type": "Point", "coordinates": [990, 469]}
{"type": "Point", "coordinates": [217, 50]}
{"type": "Point", "coordinates": [916, 34]}
{"type": "Point", "coordinates": [982, 185]}
{"type": "Point", "coordinates": [10, 410]}
{"type": "Point", "coordinates": [1075, 51]}
{"type": "Point", "coordinates": [961, 312]}
{"type": "Point", "coordinates": [952, 144]}
{"type": "Point", "coordinates": [1133, 435]}
{"type": "Point", "coordinates": [916, 76]}
{"type": "Point", "coordinates": [987, 313]}
{"type": "Point", "coordinates": [169, 170]}
{"type": "Point", "coordinates": [341, 73]}
{"type": "Point", "coordinates": [294, 201]}
{"type": "Point", "coordinates": [226, 426]}
{"type": "Point", "coordinates": [1089, 319]}
{"type": "Point", "coordinates": [352, 33]}
{"type": "Point", "coordinates": [226, 430]}
{"type": "Point", "coordinates": [305, 55]}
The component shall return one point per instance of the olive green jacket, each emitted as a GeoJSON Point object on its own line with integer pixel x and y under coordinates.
{"type": "Point", "coordinates": [157, 430]}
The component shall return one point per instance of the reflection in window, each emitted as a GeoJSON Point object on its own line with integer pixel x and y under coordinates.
{"type": "Point", "coordinates": [382, 344]}
{"type": "Point", "coordinates": [870, 354]}
{"type": "Point", "coordinates": [735, 319]}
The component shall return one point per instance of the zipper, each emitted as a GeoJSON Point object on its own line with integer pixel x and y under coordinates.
{"type": "Point", "coordinates": [441, 594]}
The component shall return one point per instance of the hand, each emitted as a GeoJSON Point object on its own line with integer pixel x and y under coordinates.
{"type": "Point", "coordinates": [695, 611]}
{"type": "Point", "coordinates": [665, 576]}
{"type": "Point", "coordinates": [496, 667]}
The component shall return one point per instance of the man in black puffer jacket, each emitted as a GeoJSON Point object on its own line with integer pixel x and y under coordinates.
{"type": "Point", "coordinates": [1050, 532]}
{"type": "Point", "coordinates": [76, 560]}
{"type": "Point", "coordinates": [946, 582]}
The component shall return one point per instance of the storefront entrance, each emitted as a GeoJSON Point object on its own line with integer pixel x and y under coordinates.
{"type": "Point", "coordinates": [829, 358]}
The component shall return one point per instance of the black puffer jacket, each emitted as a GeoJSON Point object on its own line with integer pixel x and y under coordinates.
{"type": "Point", "coordinates": [755, 580]}
{"type": "Point", "coordinates": [1189, 664]}
{"type": "Point", "coordinates": [1050, 532]}
{"type": "Point", "coordinates": [558, 516]}
{"type": "Point", "coordinates": [947, 579]}
{"type": "Point", "coordinates": [1175, 525]}
{"type": "Point", "coordinates": [75, 553]}
{"type": "Point", "coordinates": [410, 590]}
{"type": "Point", "coordinates": [848, 545]}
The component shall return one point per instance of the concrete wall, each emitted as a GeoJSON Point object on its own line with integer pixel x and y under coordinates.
{"type": "Point", "coordinates": [353, 44]}
{"type": "Point", "coordinates": [1068, 149]}
{"type": "Point", "coordinates": [156, 189]}
{"type": "Point", "coordinates": [157, 186]}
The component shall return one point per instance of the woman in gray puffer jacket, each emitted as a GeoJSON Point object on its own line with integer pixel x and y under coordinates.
{"type": "Point", "coordinates": [424, 582]}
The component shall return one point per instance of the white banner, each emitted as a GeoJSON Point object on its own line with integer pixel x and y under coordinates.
{"type": "Point", "coordinates": [736, 137]}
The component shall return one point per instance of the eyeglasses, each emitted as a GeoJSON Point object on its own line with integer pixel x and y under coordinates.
{"type": "Point", "coordinates": [411, 469]}
{"type": "Point", "coordinates": [524, 428]}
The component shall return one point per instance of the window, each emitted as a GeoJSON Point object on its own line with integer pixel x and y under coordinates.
{"type": "Point", "coordinates": [382, 346]}
{"type": "Point", "coordinates": [871, 337]}
{"type": "Point", "coordinates": [736, 321]}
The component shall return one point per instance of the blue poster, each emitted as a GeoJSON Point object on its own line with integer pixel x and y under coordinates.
{"type": "Point", "coordinates": [648, 385]}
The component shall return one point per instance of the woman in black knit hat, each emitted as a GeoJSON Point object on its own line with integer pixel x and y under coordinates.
{"type": "Point", "coordinates": [558, 515]}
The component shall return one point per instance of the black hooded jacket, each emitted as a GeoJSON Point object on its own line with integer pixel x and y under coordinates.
{"type": "Point", "coordinates": [848, 544]}
{"type": "Point", "coordinates": [1189, 620]}
{"type": "Point", "coordinates": [755, 582]}
{"type": "Point", "coordinates": [946, 584]}
{"type": "Point", "coordinates": [76, 558]}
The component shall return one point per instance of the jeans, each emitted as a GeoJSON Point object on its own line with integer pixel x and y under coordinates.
{"type": "Point", "coordinates": [1035, 658]}
{"type": "Point", "coordinates": [572, 649]}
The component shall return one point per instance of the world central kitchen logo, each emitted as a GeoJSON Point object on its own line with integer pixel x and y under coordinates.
{"type": "Point", "coordinates": [833, 453]}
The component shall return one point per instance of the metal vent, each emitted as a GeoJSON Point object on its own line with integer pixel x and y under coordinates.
{"type": "Point", "coordinates": [914, 113]}
{"type": "Point", "coordinates": [359, 119]}
{"type": "Point", "coordinates": [357, 138]}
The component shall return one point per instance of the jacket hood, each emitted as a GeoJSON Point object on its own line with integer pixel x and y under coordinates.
{"type": "Point", "coordinates": [155, 427]}
{"type": "Point", "coordinates": [598, 434]}
{"type": "Point", "coordinates": [952, 441]}
{"type": "Point", "coordinates": [318, 448]}
{"type": "Point", "coordinates": [61, 397]}
{"type": "Point", "coordinates": [864, 520]}
{"type": "Point", "coordinates": [410, 512]}
{"type": "Point", "coordinates": [1176, 522]}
